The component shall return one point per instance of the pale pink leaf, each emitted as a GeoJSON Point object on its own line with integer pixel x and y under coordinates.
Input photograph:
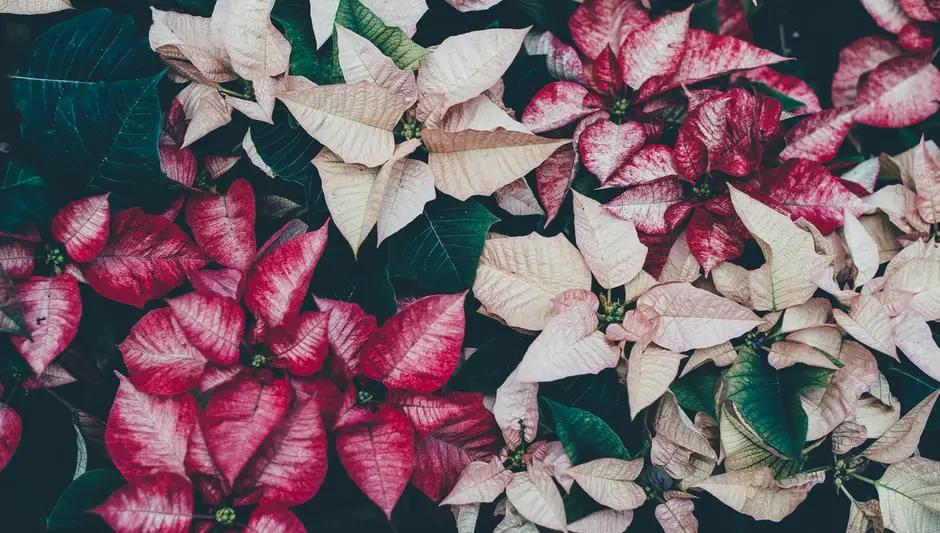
{"type": "Point", "coordinates": [757, 494]}
{"type": "Point", "coordinates": [534, 494]}
{"type": "Point", "coordinates": [605, 521]}
{"type": "Point", "coordinates": [610, 482]}
{"type": "Point", "coordinates": [518, 277]}
{"type": "Point", "coordinates": [609, 244]}
{"type": "Point", "coordinates": [690, 318]}
{"type": "Point", "coordinates": [471, 162]}
{"type": "Point", "coordinates": [651, 371]}
{"type": "Point", "coordinates": [480, 482]}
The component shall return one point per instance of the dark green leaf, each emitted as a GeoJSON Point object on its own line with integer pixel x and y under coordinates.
{"type": "Point", "coordinates": [491, 363]}
{"type": "Point", "coordinates": [769, 399]}
{"type": "Point", "coordinates": [705, 16]}
{"type": "Point", "coordinates": [25, 199]}
{"type": "Point", "coordinates": [789, 104]}
{"type": "Point", "coordinates": [321, 66]}
{"type": "Point", "coordinates": [11, 312]}
{"type": "Point", "coordinates": [696, 390]}
{"type": "Point", "coordinates": [340, 276]}
{"type": "Point", "coordinates": [201, 8]}
{"type": "Point", "coordinates": [440, 249]}
{"type": "Point", "coordinates": [288, 151]}
{"type": "Point", "coordinates": [109, 134]}
{"type": "Point", "coordinates": [75, 55]}
{"type": "Point", "coordinates": [601, 394]}
{"type": "Point", "coordinates": [393, 42]}
{"type": "Point", "coordinates": [584, 435]}
{"type": "Point", "coordinates": [86, 492]}
{"type": "Point", "coordinates": [911, 386]}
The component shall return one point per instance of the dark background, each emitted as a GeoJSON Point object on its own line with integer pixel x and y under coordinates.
{"type": "Point", "coordinates": [813, 31]}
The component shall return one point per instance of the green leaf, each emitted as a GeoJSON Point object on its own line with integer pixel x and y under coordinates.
{"type": "Point", "coordinates": [696, 390]}
{"type": "Point", "coordinates": [601, 394]}
{"type": "Point", "coordinates": [911, 386]}
{"type": "Point", "coordinates": [76, 55]}
{"type": "Point", "coordinates": [491, 363]}
{"type": "Point", "coordinates": [321, 66]}
{"type": "Point", "coordinates": [769, 399]}
{"type": "Point", "coordinates": [109, 134]}
{"type": "Point", "coordinates": [87, 91]}
{"type": "Point", "coordinates": [25, 199]}
{"type": "Point", "coordinates": [393, 42]}
{"type": "Point", "coordinates": [584, 435]}
{"type": "Point", "coordinates": [288, 151]}
{"type": "Point", "coordinates": [201, 8]}
{"type": "Point", "coordinates": [86, 492]}
{"type": "Point", "coordinates": [340, 276]}
{"type": "Point", "coordinates": [11, 312]}
{"type": "Point", "coordinates": [704, 16]}
{"type": "Point", "coordinates": [440, 249]}
{"type": "Point", "coordinates": [743, 449]}
{"type": "Point", "coordinates": [789, 104]}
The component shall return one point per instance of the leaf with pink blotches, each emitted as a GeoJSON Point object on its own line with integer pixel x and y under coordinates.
{"type": "Point", "coordinates": [558, 104]}
{"type": "Point", "coordinates": [179, 164]}
{"type": "Point", "coordinates": [146, 257]}
{"type": "Point", "coordinates": [225, 282]}
{"type": "Point", "coordinates": [856, 60]}
{"type": "Point", "coordinates": [714, 240]}
{"type": "Point", "coordinates": [787, 84]}
{"type": "Point", "coordinates": [562, 59]}
{"type": "Point", "coordinates": [888, 14]}
{"type": "Point", "coordinates": [301, 347]}
{"type": "Point", "coordinates": [224, 225]}
{"type": "Point", "coordinates": [17, 259]}
{"type": "Point", "coordinates": [11, 430]}
{"type": "Point", "coordinates": [418, 348]}
{"type": "Point", "coordinates": [442, 454]}
{"type": "Point", "coordinates": [159, 357]}
{"type": "Point", "coordinates": [212, 323]}
{"type": "Point", "coordinates": [601, 24]}
{"type": "Point", "coordinates": [806, 189]}
{"type": "Point", "coordinates": [162, 503]}
{"type": "Point", "coordinates": [349, 328]}
{"type": "Point", "coordinates": [553, 179]}
{"type": "Point", "coordinates": [51, 308]}
{"type": "Point", "coordinates": [378, 455]}
{"type": "Point", "coordinates": [605, 146]}
{"type": "Point", "coordinates": [888, 97]}
{"type": "Point", "coordinates": [655, 50]}
{"type": "Point", "coordinates": [148, 434]}
{"type": "Point", "coordinates": [818, 137]}
{"type": "Point", "coordinates": [273, 519]}
{"type": "Point", "coordinates": [656, 208]}
{"type": "Point", "coordinates": [290, 465]}
{"type": "Point", "coordinates": [240, 416]}
{"type": "Point", "coordinates": [82, 226]}
{"type": "Point", "coordinates": [277, 282]}
{"type": "Point", "coordinates": [708, 56]}
{"type": "Point", "coordinates": [650, 163]}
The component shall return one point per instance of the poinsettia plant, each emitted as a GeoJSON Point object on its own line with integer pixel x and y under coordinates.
{"type": "Point", "coordinates": [280, 266]}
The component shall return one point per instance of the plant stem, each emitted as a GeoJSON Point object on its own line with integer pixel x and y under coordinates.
{"type": "Point", "coordinates": [230, 92]}
{"type": "Point", "coordinates": [863, 478]}
{"type": "Point", "coordinates": [848, 494]}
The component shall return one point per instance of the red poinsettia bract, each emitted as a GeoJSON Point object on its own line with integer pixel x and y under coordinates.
{"type": "Point", "coordinates": [131, 257]}
{"type": "Point", "coordinates": [628, 62]}
{"type": "Point", "coordinates": [392, 425]}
